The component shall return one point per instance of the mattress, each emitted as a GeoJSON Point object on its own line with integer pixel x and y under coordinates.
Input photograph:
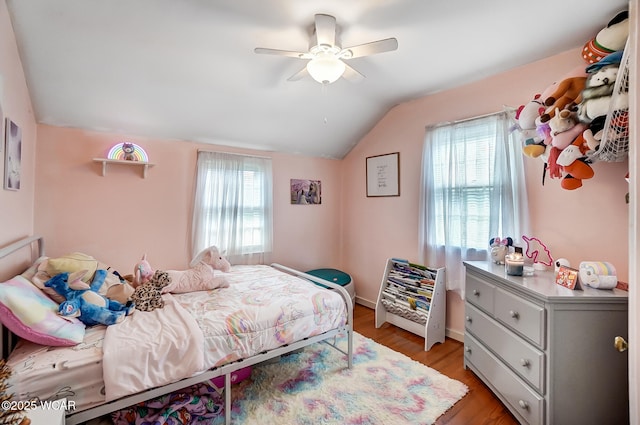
{"type": "Point", "coordinates": [51, 373]}
{"type": "Point", "coordinates": [262, 309]}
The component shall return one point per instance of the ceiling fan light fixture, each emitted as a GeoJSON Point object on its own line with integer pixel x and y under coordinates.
{"type": "Point", "coordinates": [325, 68]}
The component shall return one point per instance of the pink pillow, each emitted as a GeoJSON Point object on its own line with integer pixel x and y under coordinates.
{"type": "Point", "coordinates": [29, 313]}
{"type": "Point", "coordinates": [199, 278]}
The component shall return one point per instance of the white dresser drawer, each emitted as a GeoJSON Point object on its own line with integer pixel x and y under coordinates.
{"type": "Point", "coordinates": [479, 292]}
{"type": "Point", "coordinates": [524, 317]}
{"type": "Point", "coordinates": [526, 404]}
{"type": "Point", "coordinates": [526, 360]}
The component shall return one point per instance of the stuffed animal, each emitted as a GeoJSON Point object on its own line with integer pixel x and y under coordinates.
{"type": "Point", "coordinates": [597, 94]}
{"type": "Point", "coordinates": [142, 272]}
{"type": "Point", "coordinates": [568, 92]}
{"type": "Point", "coordinates": [88, 305]}
{"type": "Point", "coordinates": [148, 296]}
{"type": "Point", "coordinates": [212, 257]}
{"type": "Point", "coordinates": [598, 274]}
{"type": "Point", "coordinates": [574, 164]}
{"type": "Point", "coordinates": [562, 121]}
{"type": "Point", "coordinates": [128, 150]}
{"type": "Point", "coordinates": [113, 286]}
{"type": "Point", "coordinates": [610, 39]}
{"type": "Point", "coordinates": [202, 275]}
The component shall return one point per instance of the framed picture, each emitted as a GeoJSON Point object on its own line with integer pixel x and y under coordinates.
{"type": "Point", "coordinates": [12, 155]}
{"type": "Point", "coordinates": [567, 277]}
{"type": "Point", "coordinates": [383, 175]}
{"type": "Point", "coordinates": [306, 192]}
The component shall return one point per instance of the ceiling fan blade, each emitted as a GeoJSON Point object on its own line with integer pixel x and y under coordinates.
{"type": "Point", "coordinates": [352, 75]}
{"type": "Point", "coordinates": [325, 30]}
{"type": "Point", "coordinates": [299, 75]}
{"type": "Point", "coordinates": [289, 53]}
{"type": "Point", "coordinates": [380, 46]}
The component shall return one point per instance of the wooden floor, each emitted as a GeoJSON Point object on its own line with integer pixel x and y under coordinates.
{"type": "Point", "coordinates": [479, 406]}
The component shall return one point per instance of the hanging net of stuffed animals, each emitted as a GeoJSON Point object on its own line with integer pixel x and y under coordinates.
{"type": "Point", "coordinates": [614, 142]}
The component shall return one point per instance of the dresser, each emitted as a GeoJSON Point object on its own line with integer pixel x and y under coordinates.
{"type": "Point", "coordinates": [545, 350]}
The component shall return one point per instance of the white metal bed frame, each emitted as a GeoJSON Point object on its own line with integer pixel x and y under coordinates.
{"type": "Point", "coordinates": [9, 340]}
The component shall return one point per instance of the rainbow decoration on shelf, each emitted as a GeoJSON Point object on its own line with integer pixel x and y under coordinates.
{"type": "Point", "coordinates": [116, 152]}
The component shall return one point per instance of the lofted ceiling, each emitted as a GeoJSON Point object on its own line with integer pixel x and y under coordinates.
{"type": "Point", "coordinates": [186, 69]}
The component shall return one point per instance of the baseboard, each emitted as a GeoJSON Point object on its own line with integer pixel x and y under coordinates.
{"type": "Point", "coordinates": [365, 303]}
{"type": "Point", "coordinates": [451, 333]}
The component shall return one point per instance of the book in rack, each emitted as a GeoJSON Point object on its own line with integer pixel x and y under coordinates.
{"type": "Point", "coordinates": [413, 297]}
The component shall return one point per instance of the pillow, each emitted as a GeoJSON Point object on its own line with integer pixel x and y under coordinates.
{"type": "Point", "coordinates": [29, 313]}
{"type": "Point", "coordinates": [72, 263]}
{"type": "Point", "coordinates": [199, 278]}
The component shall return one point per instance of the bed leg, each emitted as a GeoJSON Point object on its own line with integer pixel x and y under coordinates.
{"type": "Point", "coordinates": [227, 399]}
{"type": "Point", "coordinates": [350, 348]}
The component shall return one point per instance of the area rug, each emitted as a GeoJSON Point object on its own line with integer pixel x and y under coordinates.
{"type": "Point", "coordinates": [313, 386]}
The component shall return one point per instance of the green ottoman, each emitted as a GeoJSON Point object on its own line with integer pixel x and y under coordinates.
{"type": "Point", "coordinates": [338, 277]}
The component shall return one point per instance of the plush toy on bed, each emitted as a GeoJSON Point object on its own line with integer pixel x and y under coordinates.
{"type": "Point", "coordinates": [212, 257]}
{"type": "Point", "coordinates": [148, 296]}
{"type": "Point", "coordinates": [142, 272]}
{"type": "Point", "coordinates": [87, 304]}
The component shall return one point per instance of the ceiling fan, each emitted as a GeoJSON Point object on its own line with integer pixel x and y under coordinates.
{"type": "Point", "coordinates": [326, 55]}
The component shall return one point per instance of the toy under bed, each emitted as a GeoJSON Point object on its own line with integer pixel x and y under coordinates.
{"type": "Point", "coordinates": [265, 312]}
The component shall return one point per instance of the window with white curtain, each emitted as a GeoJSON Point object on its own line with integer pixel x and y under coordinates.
{"type": "Point", "coordinates": [233, 205]}
{"type": "Point", "coordinates": [473, 189]}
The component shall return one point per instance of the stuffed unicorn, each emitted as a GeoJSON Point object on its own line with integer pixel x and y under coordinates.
{"type": "Point", "coordinates": [199, 277]}
{"type": "Point", "coordinates": [212, 257]}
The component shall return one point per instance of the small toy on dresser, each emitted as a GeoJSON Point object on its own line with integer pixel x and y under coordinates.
{"type": "Point", "coordinates": [598, 274]}
{"type": "Point", "coordinates": [499, 249]}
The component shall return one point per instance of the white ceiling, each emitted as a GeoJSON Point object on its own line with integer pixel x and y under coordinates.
{"type": "Point", "coordinates": [186, 70]}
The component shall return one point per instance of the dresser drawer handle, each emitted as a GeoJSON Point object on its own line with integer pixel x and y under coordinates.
{"type": "Point", "coordinates": [468, 319]}
{"type": "Point", "coordinates": [524, 404]}
{"type": "Point", "coordinates": [467, 349]}
{"type": "Point", "coordinates": [514, 314]}
{"type": "Point", "coordinates": [476, 292]}
{"type": "Point", "coordinates": [525, 362]}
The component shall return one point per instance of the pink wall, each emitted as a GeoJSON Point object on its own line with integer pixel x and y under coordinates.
{"type": "Point", "coordinates": [586, 224]}
{"type": "Point", "coordinates": [120, 216]}
{"type": "Point", "coordinates": [16, 207]}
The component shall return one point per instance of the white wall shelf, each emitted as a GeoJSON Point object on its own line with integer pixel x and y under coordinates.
{"type": "Point", "coordinates": [105, 161]}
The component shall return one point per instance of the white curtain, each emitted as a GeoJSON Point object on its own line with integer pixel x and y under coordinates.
{"type": "Point", "coordinates": [233, 207]}
{"type": "Point", "coordinates": [473, 189]}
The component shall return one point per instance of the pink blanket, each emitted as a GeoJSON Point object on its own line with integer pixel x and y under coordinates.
{"type": "Point", "coordinates": [150, 349]}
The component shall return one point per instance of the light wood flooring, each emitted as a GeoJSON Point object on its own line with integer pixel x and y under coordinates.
{"type": "Point", "coordinates": [480, 406]}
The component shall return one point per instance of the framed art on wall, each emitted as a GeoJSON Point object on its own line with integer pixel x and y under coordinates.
{"type": "Point", "coordinates": [383, 175]}
{"type": "Point", "coordinates": [12, 155]}
{"type": "Point", "coordinates": [306, 192]}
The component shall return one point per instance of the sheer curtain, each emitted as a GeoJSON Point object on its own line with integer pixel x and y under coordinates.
{"type": "Point", "coordinates": [233, 207]}
{"type": "Point", "coordinates": [473, 189]}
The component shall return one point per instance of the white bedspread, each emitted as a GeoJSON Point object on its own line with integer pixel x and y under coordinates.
{"type": "Point", "coordinates": [150, 349]}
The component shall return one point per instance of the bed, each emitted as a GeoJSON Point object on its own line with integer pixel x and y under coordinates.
{"type": "Point", "coordinates": [265, 312]}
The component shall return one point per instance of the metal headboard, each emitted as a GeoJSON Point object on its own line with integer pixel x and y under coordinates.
{"type": "Point", "coordinates": [9, 340]}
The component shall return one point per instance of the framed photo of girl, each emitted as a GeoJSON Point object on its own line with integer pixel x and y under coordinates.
{"type": "Point", "coordinates": [12, 155]}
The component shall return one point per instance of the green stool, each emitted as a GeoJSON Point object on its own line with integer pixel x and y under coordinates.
{"type": "Point", "coordinates": [338, 277]}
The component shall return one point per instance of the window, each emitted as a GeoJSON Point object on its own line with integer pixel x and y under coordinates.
{"type": "Point", "coordinates": [232, 207]}
{"type": "Point", "coordinates": [473, 190]}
